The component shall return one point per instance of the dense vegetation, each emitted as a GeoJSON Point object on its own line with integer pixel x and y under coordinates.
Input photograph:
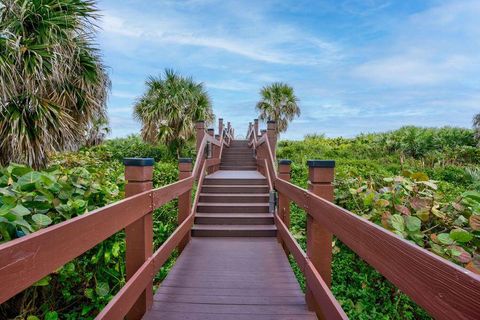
{"type": "Point", "coordinates": [74, 184]}
{"type": "Point", "coordinates": [422, 184]}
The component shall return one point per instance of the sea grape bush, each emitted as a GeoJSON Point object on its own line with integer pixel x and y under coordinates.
{"type": "Point", "coordinates": [410, 206]}
{"type": "Point", "coordinates": [31, 200]}
{"type": "Point", "coordinates": [74, 184]}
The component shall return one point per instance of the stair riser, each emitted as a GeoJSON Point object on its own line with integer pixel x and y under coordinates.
{"type": "Point", "coordinates": [246, 189]}
{"type": "Point", "coordinates": [233, 221]}
{"type": "Point", "coordinates": [210, 182]}
{"type": "Point", "coordinates": [237, 168]}
{"type": "Point", "coordinates": [232, 209]}
{"type": "Point", "coordinates": [233, 199]}
{"type": "Point", "coordinates": [234, 233]}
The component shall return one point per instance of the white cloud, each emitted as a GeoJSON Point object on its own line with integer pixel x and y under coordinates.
{"type": "Point", "coordinates": [433, 47]}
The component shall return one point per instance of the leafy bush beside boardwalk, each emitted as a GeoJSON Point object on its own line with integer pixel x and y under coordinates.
{"type": "Point", "coordinates": [420, 186]}
{"type": "Point", "coordinates": [427, 196]}
{"type": "Point", "coordinates": [74, 184]}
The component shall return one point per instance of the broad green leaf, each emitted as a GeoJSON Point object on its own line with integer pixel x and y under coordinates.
{"type": "Point", "coordinates": [43, 282]}
{"type": "Point", "coordinates": [368, 200]}
{"type": "Point", "coordinates": [444, 238]}
{"type": "Point", "coordinates": [41, 219]}
{"type": "Point", "coordinates": [51, 315]}
{"type": "Point", "coordinates": [382, 203]}
{"type": "Point", "coordinates": [20, 210]}
{"type": "Point", "coordinates": [459, 254]}
{"type": "Point", "coordinates": [27, 181]}
{"type": "Point", "coordinates": [89, 293]}
{"type": "Point", "coordinates": [102, 289]}
{"type": "Point", "coordinates": [413, 223]}
{"type": "Point", "coordinates": [429, 184]}
{"type": "Point", "coordinates": [397, 222]}
{"type": "Point", "coordinates": [32, 318]}
{"type": "Point", "coordinates": [474, 195]}
{"type": "Point", "coordinates": [460, 235]}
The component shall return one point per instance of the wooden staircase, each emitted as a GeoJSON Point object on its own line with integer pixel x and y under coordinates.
{"type": "Point", "coordinates": [238, 157]}
{"type": "Point", "coordinates": [234, 202]}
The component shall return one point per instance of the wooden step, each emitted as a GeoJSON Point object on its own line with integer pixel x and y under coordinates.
{"type": "Point", "coordinates": [233, 218]}
{"type": "Point", "coordinates": [225, 188]}
{"type": "Point", "coordinates": [235, 198]}
{"type": "Point", "coordinates": [249, 168]}
{"type": "Point", "coordinates": [208, 230]}
{"type": "Point", "coordinates": [233, 207]}
{"type": "Point", "coordinates": [216, 181]}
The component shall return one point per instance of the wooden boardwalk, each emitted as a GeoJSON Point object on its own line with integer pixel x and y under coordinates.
{"type": "Point", "coordinates": [233, 267]}
{"type": "Point", "coordinates": [230, 278]}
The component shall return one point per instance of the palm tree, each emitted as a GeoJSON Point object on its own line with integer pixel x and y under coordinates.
{"type": "Point", "coordinates": [476, 127]}
{"type": "Point", "coordinates": [53, 84]}
{"type": "Point", "coordinates": [279, 103]}
{"type": "Point", "coordinates": [96, 133]}
{"type": "Point", "coordinates": [170, 107]}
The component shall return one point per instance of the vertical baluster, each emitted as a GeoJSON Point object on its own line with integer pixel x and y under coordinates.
{"type": "Point", "coordinates": [211, 149]}
{"type": "Point", "coordinates": [184, 200]}
{"type": "Point", "coordinates": [319, 240]}
{"type": "Point", "coordinates": [284, 169]}
{"type": "Point", "coordinates": [255, 126]}
{"type": "Point", "coordinates": [139, 235]}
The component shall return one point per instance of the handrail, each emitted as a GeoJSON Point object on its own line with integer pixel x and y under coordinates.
{"type": "Point", "coordinates": [442, 288]}
{"type": "Point", "coordinates": [25, 260]}
{"type": "Point", "coordinates": [118, 307]}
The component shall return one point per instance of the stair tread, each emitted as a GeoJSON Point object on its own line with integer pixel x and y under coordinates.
{"type": "Point", "coordinates": [237, 185]}
{"type": "Point", "coordinates": [234, 227]}
{"type": "Point", "coordinates": [235, 194]}
{"type": "Point", "coordinates": [232, 204]}
{"type": "Point", "coordinates": [233, 215]}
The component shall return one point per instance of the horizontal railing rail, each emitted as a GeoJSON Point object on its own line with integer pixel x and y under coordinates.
{"type": "Point", "coordinates": [442, 288]}
{"type": "Point", "coordinates": [26, 260]}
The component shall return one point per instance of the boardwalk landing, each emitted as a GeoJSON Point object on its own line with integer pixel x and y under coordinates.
{"type": "Point", "coordinates": [233, 268]}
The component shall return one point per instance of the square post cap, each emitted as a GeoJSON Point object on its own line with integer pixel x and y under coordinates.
{"type": "Point", "coordinates": [138, 162]}
{"type": "Point", "coordinates": [184, 160]}
{"type": "Point", "coordinates": [285, 161]}
{"type": "Point", "coordinates": [321, 163]}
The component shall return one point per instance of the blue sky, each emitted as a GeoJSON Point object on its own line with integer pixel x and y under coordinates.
{"type": "Point", "coordinates": [356, 65]}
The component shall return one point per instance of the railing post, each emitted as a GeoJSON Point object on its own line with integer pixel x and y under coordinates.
{"type": "Point", "coordinates": [184, 200]}
{"type": "Point", "coordinates": [200, 128]}
{"type": "Point", "coordinates": [262, 132]}
{"type": "Point", "coordinates": [220, 126]}
{"type": "Point", "coordinates": [319, 240]}
{"type": "Point", "coordinates": [211, 149]}
{"type": "Point", "coordinates": [255, 126]}
{"type": "Point", "coordinates": [139, 234]}
{"type": "Point", "coordinates": [284, 169]}
{"type": "Point", "coordinates": [272, 136]}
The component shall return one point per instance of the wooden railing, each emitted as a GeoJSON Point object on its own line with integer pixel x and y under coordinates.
{"type": "Point", "coordinates": [444, 289]}
{"type": "Point", "coordinates": [28, 259]}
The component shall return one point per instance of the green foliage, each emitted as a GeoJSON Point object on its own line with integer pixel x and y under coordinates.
{"type": "Point", "coordinates": [170, 107]}
{"type": "Point", "coordinates": [74, 184]}
{"type": "Point", "coordinates": [420, 183]}
{"type": "Point", "coordinates": [278, 102]}
{"type": "Point", "coordinates": [54, 85]}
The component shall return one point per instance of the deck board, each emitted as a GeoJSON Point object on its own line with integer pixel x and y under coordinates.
{"type": "Point", "coordinates": [230, 278]}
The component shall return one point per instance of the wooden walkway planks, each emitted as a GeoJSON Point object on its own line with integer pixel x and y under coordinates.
{"type": "Point", "coordinates": [230, 278]}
